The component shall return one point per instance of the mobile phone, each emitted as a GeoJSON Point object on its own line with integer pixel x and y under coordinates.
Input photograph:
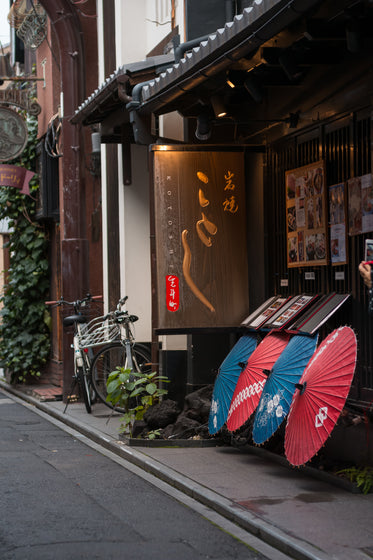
{"type": "Point", "coordinates": [369, 251]}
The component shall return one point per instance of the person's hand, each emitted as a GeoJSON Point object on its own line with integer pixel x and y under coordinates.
{"type": "Point", "coordinates": [365, 270]}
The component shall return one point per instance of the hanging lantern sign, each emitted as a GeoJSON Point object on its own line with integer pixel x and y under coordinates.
{"type": "Point", "coordinates": [13, 134]}
{"type": "Point", "coordinates": [15, 176]}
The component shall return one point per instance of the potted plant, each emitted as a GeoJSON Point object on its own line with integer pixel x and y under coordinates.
{"type": "Point", "coordinates": [134, 393]}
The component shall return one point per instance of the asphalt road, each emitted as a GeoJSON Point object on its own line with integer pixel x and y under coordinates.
{"type": "Point", "coordinates": [63, 499]}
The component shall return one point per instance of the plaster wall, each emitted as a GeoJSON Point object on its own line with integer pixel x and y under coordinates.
{"type": "Point", "coordinates": [135, 242]}
{"type": "Point", "coordinates": [141, 25]}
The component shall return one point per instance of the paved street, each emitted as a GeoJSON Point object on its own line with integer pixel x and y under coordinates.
{"type": "Point", "coordinates": [63, 499]}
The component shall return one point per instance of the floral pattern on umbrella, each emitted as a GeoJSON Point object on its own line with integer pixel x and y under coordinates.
{"type": "Point", "coordinates": [252, 380]}
{"type": "Point", "coordinates": [279, 388]}
{"type": "Point", "coordinates": [226, 380]}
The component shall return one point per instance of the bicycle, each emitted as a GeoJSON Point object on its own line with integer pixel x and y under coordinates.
{"type": "Point", "coordinates": [123, 352]}
{"type": "Point", "coordinates": [83, 355]}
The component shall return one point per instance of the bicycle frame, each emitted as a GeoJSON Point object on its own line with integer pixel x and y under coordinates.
{"type": "Point", "coordinates": [82, 356]}
{"type": "Point", "coordinates": [126, 335]}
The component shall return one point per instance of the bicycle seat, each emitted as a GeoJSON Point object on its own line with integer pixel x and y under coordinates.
{"type": "Point", "coordinates": [71, 319]}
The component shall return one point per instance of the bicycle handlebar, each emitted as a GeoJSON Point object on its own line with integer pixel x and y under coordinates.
{"type": "Point", "coordinates": [78, 302]}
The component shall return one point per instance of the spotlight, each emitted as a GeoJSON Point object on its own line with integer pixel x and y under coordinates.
{"type": "Point", "coordinates": [203, 130]}
{"type": "Point", "coordinates": [236, 78]}
{"type": "Point", "coordinates": [254, 87]}
{"type": "Point", "coordinates": [218, 107]}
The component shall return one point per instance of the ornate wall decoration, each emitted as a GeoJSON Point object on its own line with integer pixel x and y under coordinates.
{"type": "Point", "coordinates": [13, 134]}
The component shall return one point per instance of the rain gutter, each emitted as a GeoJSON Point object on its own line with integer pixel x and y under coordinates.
{"type": "Point", "coordinates": [239, 38]}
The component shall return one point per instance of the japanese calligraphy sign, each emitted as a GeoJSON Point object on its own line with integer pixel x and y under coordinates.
{"type": "Point", "coordinates": [15, 176]}
{"type": "Point", "coordinates": [306, 216]}
{"type": "Point", "coordinates": [199, 201]}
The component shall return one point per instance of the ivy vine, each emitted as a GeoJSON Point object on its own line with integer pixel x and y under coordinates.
{"type": "Point", "coordinates": [24, 332]}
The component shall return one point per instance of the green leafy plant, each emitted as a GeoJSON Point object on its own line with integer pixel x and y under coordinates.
{"type": "Point", "coordinates": [362, 476]}
{"type": "Point", "coordinates": [134, 392]}
{"type": "Point", "coordinates": [24, 333]}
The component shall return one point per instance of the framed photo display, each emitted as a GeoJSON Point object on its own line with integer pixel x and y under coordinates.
{"type": "Point", "coordinates": [306, 216]}
{"type": "Point", "coordinates": [360, 204]}
{"type": "Point", "coordinates": [264, 312]}
{"type": "Point", "coordinates": [337, 220]}
{"type": "Point", "coordinates": [289, 311]}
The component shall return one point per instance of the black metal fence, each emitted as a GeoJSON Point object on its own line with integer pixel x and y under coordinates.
{"type": "Point", "coordinates": [345, 146]}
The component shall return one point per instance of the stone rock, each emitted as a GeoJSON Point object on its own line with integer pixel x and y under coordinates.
{"type": "Point", "coordinates": [162, 414]}
{"type": "Point", "coordinates": [139, 427]}
{"type": "Point", "coordinates": [197, 404]}
{"type": "Point", "coordinates": [184, 427]}
{"type": "Point", "coordinates": [167, 432]}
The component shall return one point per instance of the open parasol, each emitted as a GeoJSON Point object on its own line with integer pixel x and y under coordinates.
{"type": "Point", "coordinates": [226, 380]}
{"type": "Point", "coordinates": [252, 379]}
{"type": "Point", "coordinates": [320, 396]}
{"type": "Point", "coordinates": [274, 403]}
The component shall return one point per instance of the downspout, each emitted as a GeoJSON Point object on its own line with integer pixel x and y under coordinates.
{"type": "Point", "coordinates": [179, 51]}
{"type": "Point", "coordinates": [140, 123]}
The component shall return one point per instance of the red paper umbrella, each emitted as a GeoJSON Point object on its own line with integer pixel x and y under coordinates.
{"type": "Point", "coordinates": [251, 381]}
{"type": "Point", "coordinates": [320, 396]}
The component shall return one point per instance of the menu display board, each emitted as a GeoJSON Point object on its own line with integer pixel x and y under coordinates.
{"type": "Point", "coordinates": [337, 221]}
{"type": "Point", "coordinates": [360, 204]}
{"type": "Point", "coordinates": [289, 311]}
{"type": "Point", "coordinates": [264, 312]}
{"type": "Point", "coordinates": [319, 313]}
{"type": "Point", "coordinates": [306, 216]}
{"type": "Point", "coordinates": [301, 314]}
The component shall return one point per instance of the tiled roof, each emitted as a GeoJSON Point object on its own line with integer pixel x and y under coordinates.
{"type": "Point", "coordinates": [238, 38]}
{"type": "Point", "coordinates": [242, 36]}
{"type": "Point", "coordinates": [110, 85]}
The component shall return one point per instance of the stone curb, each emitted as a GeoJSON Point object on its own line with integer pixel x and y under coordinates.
{"type": "Point", "coordinates": [273, 536]}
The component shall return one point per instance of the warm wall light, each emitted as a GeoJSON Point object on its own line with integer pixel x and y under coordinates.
{"type": "Point", "coordinates": [236, 78]}
{"type": "Point", "coordinates": [203, 130]}
{"type": "Point", "coordinates": [253, 86]}
{"type": "Point", "coordinates": [218, 107]}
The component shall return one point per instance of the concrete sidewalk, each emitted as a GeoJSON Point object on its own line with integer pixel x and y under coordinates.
{"type": "Point", "coordinates": [305, 517]}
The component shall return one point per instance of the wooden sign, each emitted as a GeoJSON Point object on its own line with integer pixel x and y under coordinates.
{"type": "Point", "coordinates": [15, 176]}
{"type": "Point", "coordinates": [200, 230]}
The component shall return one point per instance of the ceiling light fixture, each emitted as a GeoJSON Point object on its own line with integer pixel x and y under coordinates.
{"type": "Point", "coordinates": [218, 107]}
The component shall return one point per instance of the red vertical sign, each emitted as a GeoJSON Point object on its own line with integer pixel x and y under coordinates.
{"type": "Point", "coordinates": [172, 292]}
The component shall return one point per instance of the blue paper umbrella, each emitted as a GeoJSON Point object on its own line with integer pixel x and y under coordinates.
{"type": "Point", "coordinates": [279, 388]}
{"type": "Point", "coordinates": [227, 378]}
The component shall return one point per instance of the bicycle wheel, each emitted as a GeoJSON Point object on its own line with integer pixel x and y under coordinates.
{"type": "Point", "coordinates": [109, 358]}
{"type": "Point", "coordinates": [84, 387]}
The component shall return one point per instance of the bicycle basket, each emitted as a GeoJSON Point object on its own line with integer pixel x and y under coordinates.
{"type": "Point", "coordinates": [100, 330]}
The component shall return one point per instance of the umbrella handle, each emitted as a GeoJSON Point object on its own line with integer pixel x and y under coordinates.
{"type": "Point", "coordinates": [301, 387]}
